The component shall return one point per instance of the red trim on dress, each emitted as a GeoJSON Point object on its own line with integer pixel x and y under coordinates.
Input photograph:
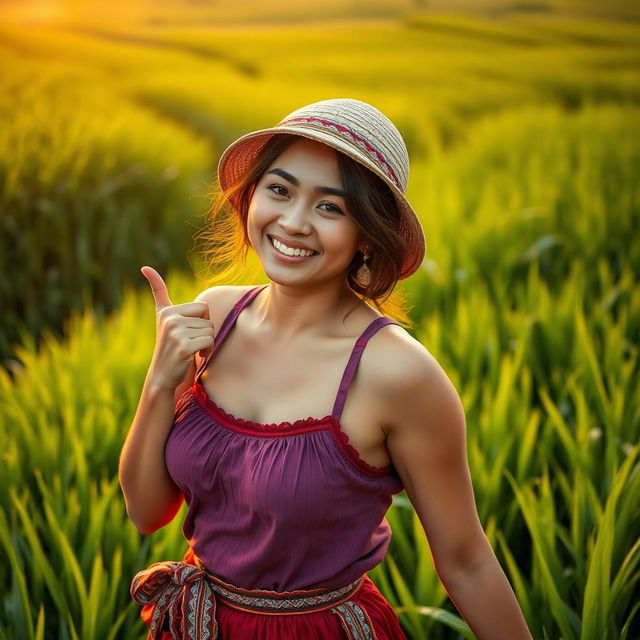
{"type": "Point", "coordinates": [276, 429]}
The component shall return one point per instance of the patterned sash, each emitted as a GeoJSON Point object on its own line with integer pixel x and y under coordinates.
{"type": "Point", "coordinates": [186, 594]}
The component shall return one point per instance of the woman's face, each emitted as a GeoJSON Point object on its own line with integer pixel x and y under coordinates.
{"type": "Point", "coordinates": [298, 201]}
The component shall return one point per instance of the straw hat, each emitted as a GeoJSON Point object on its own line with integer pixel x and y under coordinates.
{"type": "Point", "coordinates": [358, 130]}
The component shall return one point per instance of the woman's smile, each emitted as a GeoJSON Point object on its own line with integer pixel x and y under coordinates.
{"type": "Point", "coordinates": [286, 255]}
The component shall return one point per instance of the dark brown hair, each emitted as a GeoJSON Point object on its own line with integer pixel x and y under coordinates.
{"type": "Point", "coordinates": [372, 206]}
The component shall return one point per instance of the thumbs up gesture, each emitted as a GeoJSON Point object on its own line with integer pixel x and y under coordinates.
{"type": "Point", "coordinates": [181, 330]}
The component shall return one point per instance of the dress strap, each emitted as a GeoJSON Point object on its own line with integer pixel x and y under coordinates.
{"type": "Point", "coordinates": [228, 322]}
{"type": "Point", "coordinates": [354, 359]}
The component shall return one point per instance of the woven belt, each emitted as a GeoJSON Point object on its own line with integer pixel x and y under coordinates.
{"type": "Point", "coordinates": [186, 594]}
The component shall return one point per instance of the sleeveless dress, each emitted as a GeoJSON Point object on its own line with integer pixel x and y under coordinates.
{"type": "Point", "coordinates": [287, 508]}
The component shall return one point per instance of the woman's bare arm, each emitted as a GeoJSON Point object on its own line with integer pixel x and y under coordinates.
{"type": "Point", "coordinates": [152, 498]}
{"type": "Point", "coordinates": [427, 443]}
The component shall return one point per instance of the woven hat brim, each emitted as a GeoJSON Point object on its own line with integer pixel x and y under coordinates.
{"type": "Point", "coordinates": [234, 160]}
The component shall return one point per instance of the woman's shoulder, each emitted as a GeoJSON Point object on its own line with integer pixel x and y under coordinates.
{"type": "Point", "coordinates": [395, 358]}
{"type": "Point", "coordinates": [410, 378]}
{"type": "Point", "coordinates": [226, 290]}
{"type": "Point", "coordinates": [221, 295]}
{"type": "Point", "coordinates": [220, 300]}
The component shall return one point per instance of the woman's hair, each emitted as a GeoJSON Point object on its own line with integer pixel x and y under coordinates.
{"type": "Point", "coordinates": [372, 206]}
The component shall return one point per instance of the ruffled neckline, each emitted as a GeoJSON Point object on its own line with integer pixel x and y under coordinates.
{"type": "Point", "coordinates": [201, 393]}
{"type": "Point", "coordinates": [301, 425]}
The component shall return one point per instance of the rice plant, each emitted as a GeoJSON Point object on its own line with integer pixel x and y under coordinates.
{"type": "Point", "coordinates": [523, 137]}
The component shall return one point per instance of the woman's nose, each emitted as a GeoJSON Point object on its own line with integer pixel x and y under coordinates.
{"type": "Point", "coordinates": [294, 218]}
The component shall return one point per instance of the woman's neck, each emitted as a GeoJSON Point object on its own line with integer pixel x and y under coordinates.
{"type": "Point", "coordinates": [288, 314]}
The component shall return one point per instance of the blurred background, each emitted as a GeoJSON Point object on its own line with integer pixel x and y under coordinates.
{"type": "Point", "coordinates": [522, 122]}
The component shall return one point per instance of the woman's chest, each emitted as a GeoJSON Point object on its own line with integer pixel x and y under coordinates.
{"type": "Point", "coordinates": [271, 389]}
{"type": "Point", "coordinates": [293, 481]}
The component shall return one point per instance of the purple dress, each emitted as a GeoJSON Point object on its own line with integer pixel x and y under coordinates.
{"type": "Point", "coordinates": [283, 506]}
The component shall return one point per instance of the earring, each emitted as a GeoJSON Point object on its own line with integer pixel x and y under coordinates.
{"type": "Point", "coordinates": [364, 274]}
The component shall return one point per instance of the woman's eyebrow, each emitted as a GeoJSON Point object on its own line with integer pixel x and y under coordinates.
{"type": "Point", "coordinates": [287, 176]}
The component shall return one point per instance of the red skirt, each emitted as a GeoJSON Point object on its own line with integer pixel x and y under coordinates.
{"type": "Point", "coordinates": [365, 614]}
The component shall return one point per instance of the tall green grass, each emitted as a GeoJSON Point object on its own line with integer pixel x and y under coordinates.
{"type": "Point", "coordinates": [118, 128]}
{"type": "Point", "coordinates": [558, 495]}
{"type": "Point", "coordinates": [523, 138]}
{"type": "Point", "coordinates": [90, 185]}
{"type": "Point", "coordinates": [562, 440]}
{"type": "Point", "coordinates": [70, 545]}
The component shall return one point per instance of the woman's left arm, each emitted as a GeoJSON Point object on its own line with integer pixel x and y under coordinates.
{"type": "Point", "coordinates": [427, 443]}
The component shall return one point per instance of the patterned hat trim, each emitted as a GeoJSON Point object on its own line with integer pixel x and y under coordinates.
{"type": "Point", "coordinates": [361, 142]}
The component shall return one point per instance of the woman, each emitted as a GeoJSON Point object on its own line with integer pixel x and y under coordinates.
{"type": "Point", "coordinates": [286, 513]}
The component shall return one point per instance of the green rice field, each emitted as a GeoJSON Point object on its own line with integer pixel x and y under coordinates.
{"type": "Point", "coordinates": [522, 122]}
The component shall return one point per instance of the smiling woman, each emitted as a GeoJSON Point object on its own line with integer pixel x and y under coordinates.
{"type": "Point", "coordinates": [301, 216]}
{"type": "Point", "coordinates": [363, 196]}
{"type": "Point", "coordinates": [287, 513]}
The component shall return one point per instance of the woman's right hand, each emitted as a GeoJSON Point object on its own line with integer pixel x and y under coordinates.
{"type": "Point", "coordinates": [181, 330]}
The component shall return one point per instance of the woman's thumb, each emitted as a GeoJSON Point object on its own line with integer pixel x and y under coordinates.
{"type": "Point", "coordinates": [158, 287]}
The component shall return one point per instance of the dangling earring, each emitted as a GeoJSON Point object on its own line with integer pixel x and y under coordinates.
{"type": "Point", "coordinates": [364, 274]}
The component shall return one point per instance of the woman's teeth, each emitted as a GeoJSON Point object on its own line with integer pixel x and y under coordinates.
{"type": "Point", "coordinates": [290, 252]}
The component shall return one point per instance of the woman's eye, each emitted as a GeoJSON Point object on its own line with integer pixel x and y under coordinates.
{"type": "Point", "coordinates": [276, 186]}
{"type": "Point", "coordinates": [332, 207]}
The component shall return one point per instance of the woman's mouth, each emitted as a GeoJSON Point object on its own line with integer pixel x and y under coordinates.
{"type": "Point", "coordinates": [288, 255]}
